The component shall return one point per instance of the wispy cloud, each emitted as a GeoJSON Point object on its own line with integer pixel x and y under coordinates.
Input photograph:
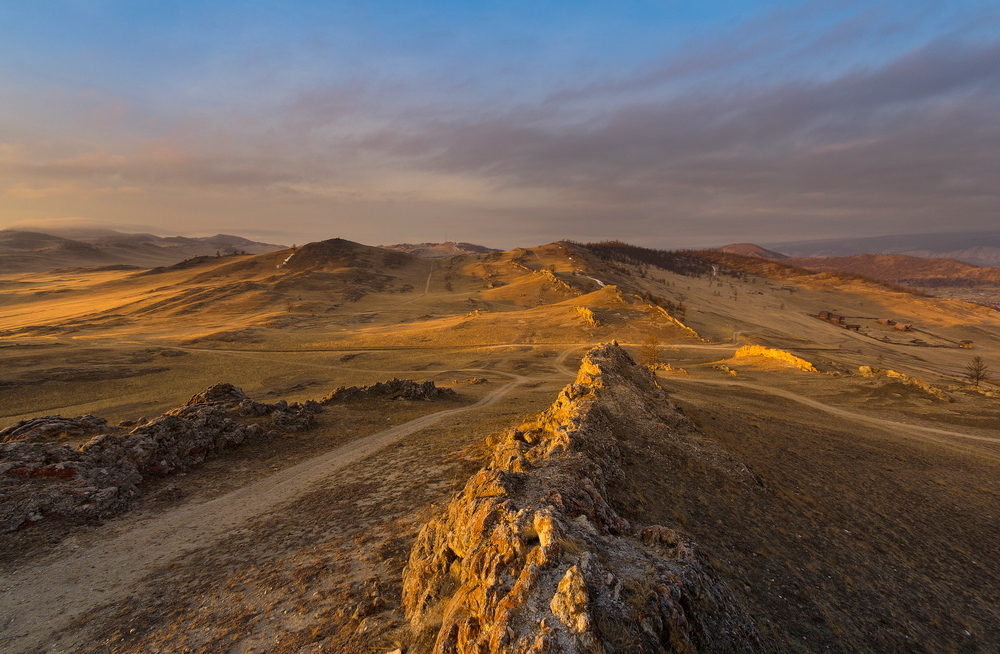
{"type": "Point", "coordinates": [25, 192]}
{"type": "Point", "coordinates": [806, 117]}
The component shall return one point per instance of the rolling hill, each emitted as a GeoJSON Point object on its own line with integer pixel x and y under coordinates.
{"type": "Point", "coordinates": [27, 251]}
{"type": "Point", "coordinates": [439, 250]}
{"type": "Point", "coordinates": [834, 489]}
{"type": "Point", "coordinates": [904, 269]}
{"type": "Point", "coordinates": [978, 248]}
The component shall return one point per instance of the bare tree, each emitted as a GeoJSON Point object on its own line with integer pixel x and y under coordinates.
{"type": "Point", "coordinates": [649, 352]}
{"type": "Point", "coordinates": [976, 370]}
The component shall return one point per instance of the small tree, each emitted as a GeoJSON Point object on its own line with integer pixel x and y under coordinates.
{"type": "Point", "coordinates": [976, 370]}
{"type": "Point", "coordinates": [649, 352]}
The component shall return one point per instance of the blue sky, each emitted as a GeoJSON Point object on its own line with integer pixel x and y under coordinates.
{"type": "Point", "coordinates": [507, 123]}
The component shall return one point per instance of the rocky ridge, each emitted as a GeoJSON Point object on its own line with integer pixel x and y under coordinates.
{"type": "Point", "coordinates": [397, 389]}
{"type": "Point", "coordinates": [46, 429]}
{"type": "Point", "coordinates": [533, 556]}
{"type": "Point", "coordinates": [45, 480]}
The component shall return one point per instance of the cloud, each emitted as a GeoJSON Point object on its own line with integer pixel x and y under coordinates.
{"type": "Point", "coordinates": [915, 137]}
{"type": "Point", "coordinates": [747, 128]}
{"type": "Point", "coordinates": [25, 192]}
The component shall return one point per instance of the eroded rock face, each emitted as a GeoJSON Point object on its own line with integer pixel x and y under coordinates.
{"type": "Point", "coordinates": [397, 389]}
{"type": "Point", "coordinates": [531, 557]}
{"type": "Point", "coordinates": [46, 429]}
{"type": "Point", "coordinates": [48, 480]}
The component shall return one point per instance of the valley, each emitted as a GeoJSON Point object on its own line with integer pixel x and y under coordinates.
{"type": "Point", "coordinates": [864, 520]}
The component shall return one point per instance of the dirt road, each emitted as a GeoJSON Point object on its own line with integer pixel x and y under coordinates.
{"type": "Point", "coordinates": [896, 426]}
{"type": "Point", "coordinates": [40, 600]}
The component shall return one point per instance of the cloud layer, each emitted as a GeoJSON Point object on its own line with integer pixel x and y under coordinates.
{"type": "Point", "coordinates": [798, 122]}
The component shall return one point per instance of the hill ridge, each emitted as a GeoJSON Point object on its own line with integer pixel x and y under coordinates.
{"type": "Point", "coordinates": [532, 555]}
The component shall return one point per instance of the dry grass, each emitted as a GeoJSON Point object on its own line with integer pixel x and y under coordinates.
{"type": "Point", "coordinates": [859, 540]}
{"type": "Point", "coordinates": [323, 575]}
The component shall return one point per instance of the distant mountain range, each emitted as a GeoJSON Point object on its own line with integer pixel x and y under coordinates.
{"type": "Point", "coordinates": [29, 251]}
{"type": "Point", "coordinates": [904, 269]}
{"type": "Point", "coordinates": [894, 268]}
{"type": "Point", "coordinates": [751, 250]}
{"type": "Point", "coordinates": [979, 248]}
{"type": "Point", "coordinates": [439, 250]}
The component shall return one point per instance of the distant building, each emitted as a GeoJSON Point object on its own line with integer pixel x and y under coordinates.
{"type": "Point", "coordinates": [886, 321]}
{"type": "Point", "coordinates": [903, 327]}
{"type": "Point", "coordinates": [853, 328]}
{"type": "Point", "coordinates": [824, 315]}
{"type": "Point", "coordinates": [966, 344]}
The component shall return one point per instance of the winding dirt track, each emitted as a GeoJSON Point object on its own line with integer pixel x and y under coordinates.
{"type": "Point", "coordinates": [42, 599]}
{"type": "Point", "coordinates": [903, 428]}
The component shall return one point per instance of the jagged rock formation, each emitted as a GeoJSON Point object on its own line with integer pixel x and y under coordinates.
{"type": "Point", "coordinates": [588, 316]}
{"type": "Point", "coordinates": [397, 389]}
{"type": "Point", "coordinates": [46, 429]}
{"type": "Point", "coordinates": [48, 480]}
{"type": "Point", "coordinates": [532, 557]}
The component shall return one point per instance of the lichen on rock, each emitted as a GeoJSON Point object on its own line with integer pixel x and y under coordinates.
{"type": "Point", "coordinates": [531, 556]}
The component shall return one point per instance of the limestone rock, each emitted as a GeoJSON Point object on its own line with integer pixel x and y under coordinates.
{"type": "Point", "coordinates": [869, 371]}
{"type": "Point", "coordinates": [52, 428]}
{"type": "Point", "coordinates": [396, 389]}
{"type": "Point", "coordinates": [224, 394]}
{"type": "Point", "coordinates": [40, 480]}
{"type": "Point", "coordinates": [531, 557]}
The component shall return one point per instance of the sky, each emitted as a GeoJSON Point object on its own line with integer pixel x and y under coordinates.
{"type": "Point", "coordinates": [665, 124]}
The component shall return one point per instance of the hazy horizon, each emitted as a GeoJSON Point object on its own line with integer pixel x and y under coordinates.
{"type": "Point", "coordinates": [85, 230]}
{"type": "Point", "coordinates": [665, 125]}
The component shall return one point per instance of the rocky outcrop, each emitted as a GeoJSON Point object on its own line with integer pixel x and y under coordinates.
{"type": "Point", "coordinates": [46, 429]}
{"type": "Point", "coordinates": [777, 355]}
{"type": "Point", "coordinates": [920, 384]}
{"type": "Point", "coordinates": [396, 389]}
{"type": "Point", "coordinates": [661, 312]}
{"type": "Point", "coordinates": [588, 316]}
{"type": "Point", "coordinates": [48, 480]}
{"type": "Point", "coordinates": [532, 556]}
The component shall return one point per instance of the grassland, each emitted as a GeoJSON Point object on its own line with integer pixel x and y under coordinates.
{"type": "Point", "coordinates": [874, 529]}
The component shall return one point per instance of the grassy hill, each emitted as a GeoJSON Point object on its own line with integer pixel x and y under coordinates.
{"type": "Point", "coordinates": [869, 524]}
{"type": "Point", "coordinates": [903, 269]}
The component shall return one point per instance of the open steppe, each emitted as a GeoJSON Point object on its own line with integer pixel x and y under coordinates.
{"type": "Point", "coordinates": [873, 528]}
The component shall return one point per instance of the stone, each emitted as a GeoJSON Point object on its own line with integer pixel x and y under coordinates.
{"type": "Point", "coordinates": [44, 480]}
{"type": "Point", "coordinates": [395, 389]}
{"type": "Point", "coordinates": [530, 556]}
{"type": "Point", "coordinates": [51, 428]}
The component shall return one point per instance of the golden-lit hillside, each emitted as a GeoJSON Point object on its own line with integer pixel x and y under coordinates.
{"type": "Point", "coordinates": [820, 466]}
